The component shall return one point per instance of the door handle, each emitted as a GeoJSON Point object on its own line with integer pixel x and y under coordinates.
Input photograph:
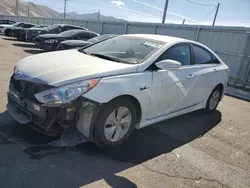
{"type": "Point", "coordinates": [190, 76]}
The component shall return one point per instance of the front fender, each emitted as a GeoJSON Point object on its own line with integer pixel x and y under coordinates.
{"type": "Point", "coordinates": [137, 85]}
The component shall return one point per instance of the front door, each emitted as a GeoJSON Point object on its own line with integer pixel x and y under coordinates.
{"type": "Point", "coordinates": [171, 89]}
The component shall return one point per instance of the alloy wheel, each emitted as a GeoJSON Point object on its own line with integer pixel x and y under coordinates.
{"type": "Point", "coordinates": [117, 124]}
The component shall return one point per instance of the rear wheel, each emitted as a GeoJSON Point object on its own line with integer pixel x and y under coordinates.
{"type": "Point", "coordinates": [115, 123]}
{"type": "Point", "coordinates": [213, 100]}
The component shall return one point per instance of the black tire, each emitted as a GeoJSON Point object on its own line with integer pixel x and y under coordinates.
{"type": "Point", "coordinates": [98, 134]}
{"type": "Point", "coordinates": [20, 38]}
{"type": "Point", "coordinates": [208, 108]}
{"type": "Point", "coordinates": [8, 33]}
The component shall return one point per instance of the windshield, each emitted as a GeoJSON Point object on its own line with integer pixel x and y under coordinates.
{"type": "Point", "coordinates": [16, 24]}
{"type": "Point", "coordinates": [100, 38]}
{"type": "Point", "coordinates": [52, 27]}
{"type": "Point", "coordinates": [126, 48]}
{"type": "Point", "coordinates": [38, 26]}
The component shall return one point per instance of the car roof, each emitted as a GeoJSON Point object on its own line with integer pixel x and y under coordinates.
{"type": "Point", "coordinates": [163, 38]}
{"type": "Point", "coordinates": [69, 25]}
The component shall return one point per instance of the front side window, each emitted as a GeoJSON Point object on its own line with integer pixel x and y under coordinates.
{"type": "Point", "coordinates": [28, 25]}
{"type": "Point", "coordinates": [83, 36]}
{"type": "Point", "coordinates": [180, 53]}
{"type": "Point", "coordinates": [202, 56]}
{"type": "Point", "coordinates": [128, 49]}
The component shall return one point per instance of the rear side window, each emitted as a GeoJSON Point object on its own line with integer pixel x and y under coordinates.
{"type": "Point", "coordinates": [66, 28]}
{"type": "Point", "coordinates": [180, 53]}
{"type": "Point", "coordinates": [202, 56]}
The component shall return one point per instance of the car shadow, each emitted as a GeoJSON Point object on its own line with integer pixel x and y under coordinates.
{"type": "Point", "coordinates": [25, 45]}
{"type": "Point", "coordinates": [37, 51]}
{"type": "Point", "coordinates": [12, 39]}
{"type": "Point", "coordinates": [89, 163]}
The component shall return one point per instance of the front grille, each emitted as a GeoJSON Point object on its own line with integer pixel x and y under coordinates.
{"type": "Point", "coordinates": [29, 89]}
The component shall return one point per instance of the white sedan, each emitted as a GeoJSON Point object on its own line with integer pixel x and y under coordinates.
{"type": "Point", "coordinates": [108, 89]}
{"type": "Point", "coordinates": [4, 27]}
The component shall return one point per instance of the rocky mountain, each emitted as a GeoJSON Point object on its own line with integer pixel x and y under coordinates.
{"type": "Point", "coordinates": [8, 7]}
{"type": "Point", "coordinates": [92, 16]}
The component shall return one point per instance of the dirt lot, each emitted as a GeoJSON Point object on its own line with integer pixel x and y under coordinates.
{"type": "Point", "coordinates": [193, 150]}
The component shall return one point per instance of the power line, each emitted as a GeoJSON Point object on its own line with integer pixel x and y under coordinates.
{"type": "Point", "coordinates": [201, 4]}
{"type": "Point", "coordinates": [205, 16]}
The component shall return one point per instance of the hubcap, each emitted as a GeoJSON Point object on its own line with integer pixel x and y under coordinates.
{"type": "Point", "coordinates": [214, 100]}
{"type": "Point", "coordinates": [117, 124]}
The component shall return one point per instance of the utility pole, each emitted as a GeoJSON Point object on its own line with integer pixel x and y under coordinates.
{"type": "Point", "coordinates": [16, 7]}
{"type": "Point", "coordinates": [183, 22]}
{"type": "Point", "coordinates": [217, 10]}
{"type": "Point", "coordinates": [98, 16]}
{"type": "Point", "coordinates": [28, 11]}
{"type": "Point", "coordinates": [165, 12]}
{"type": "Point", "coordinates": [65, 6]}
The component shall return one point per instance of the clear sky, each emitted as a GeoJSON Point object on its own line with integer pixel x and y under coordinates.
{"type": "Point", "coordinates": [231, 12]}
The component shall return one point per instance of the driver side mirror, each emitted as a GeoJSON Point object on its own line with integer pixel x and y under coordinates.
{"type": "Point", "coordinates": [168, 64]}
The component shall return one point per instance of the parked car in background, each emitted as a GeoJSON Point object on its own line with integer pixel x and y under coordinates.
{"type": "Point", "coordinates": [32, 33]}
{"type": "Point", "coordinates": [7, 29]}
{"type": "Point", "coordinates": [71, 44]}
{"type": "Point", "coordinates": [20, 33]}
{"type": "Point", "coordinates": [49, 42]}
{"type": "Point", "coordinates": [3, 27]}
{"type": "Point", "coordinates": [6, 21]}
{"type": "Point", "coordinates": [108, 89]}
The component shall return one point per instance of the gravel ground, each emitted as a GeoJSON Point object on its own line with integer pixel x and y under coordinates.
{"type": "Point", "coordinates": [193, 150]}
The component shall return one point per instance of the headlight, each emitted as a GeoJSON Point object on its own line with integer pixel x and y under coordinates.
{"type": "Point", "coordinates": [66, 93]}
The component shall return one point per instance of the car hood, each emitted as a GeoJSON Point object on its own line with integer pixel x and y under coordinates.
{"type": "Point", "coordinates": [76, 42]}
{"type": "Point", "coordinates": [59, 68]}
{"type": "Point", "coordinates": [6, 25]}
{"type": "Point", "coordinates": [48, 36]}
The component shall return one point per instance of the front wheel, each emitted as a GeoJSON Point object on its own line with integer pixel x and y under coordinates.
{"type": "Point", "coordinates": [213, 100]}
{"type": "Point", "coordinates": [115, 123]}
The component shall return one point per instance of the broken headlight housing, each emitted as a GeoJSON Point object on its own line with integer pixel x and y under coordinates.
{"type": "Point", "coordinates": [66, 93]}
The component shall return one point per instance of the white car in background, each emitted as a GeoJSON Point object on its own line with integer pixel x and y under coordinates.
{"type": "Point", "coordinates": [109, 88]}
{"type": "Point", "coordinates": [3, 27]}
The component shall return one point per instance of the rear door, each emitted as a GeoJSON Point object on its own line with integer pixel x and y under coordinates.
{"type": "Point", "coordinates": [205, 72]}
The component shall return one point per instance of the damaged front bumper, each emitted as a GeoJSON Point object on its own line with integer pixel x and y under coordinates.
{"type": "Point", "coordinates": [53, 120]}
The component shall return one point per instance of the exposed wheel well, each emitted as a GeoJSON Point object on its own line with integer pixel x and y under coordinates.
{"type": "Point", "coordinates": [135, 102]}
{"type": "Point", "coordinates": [221, 88]}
